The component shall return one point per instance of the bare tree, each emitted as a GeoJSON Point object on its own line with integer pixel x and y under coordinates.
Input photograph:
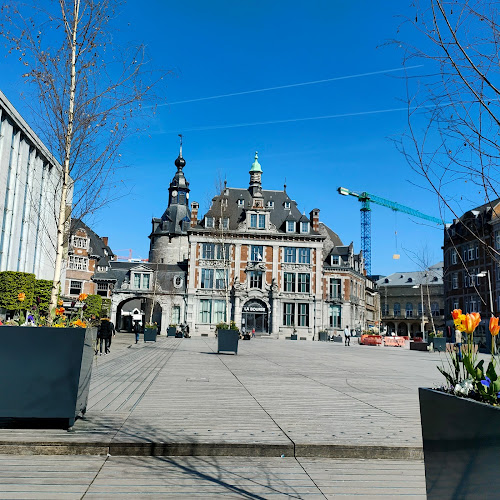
{"type": "Point", "coordinates": [87, 94]}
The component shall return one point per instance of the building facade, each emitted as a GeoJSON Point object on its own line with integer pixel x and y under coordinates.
{"type": "Point", "coordinates": [471, 265]}
{"type": "Point", "coordinates": [410, 300]}
{"type": "Point", "coordinates": [29, 197]}
{"type": "Point", "coordinates": [253, 258]}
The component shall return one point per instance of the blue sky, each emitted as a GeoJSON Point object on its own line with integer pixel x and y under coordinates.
{"type": "Point", "coordinates": [221, 47]}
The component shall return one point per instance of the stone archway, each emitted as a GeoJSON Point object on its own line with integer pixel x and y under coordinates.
{"type": "Point", "coordinates": [123, 318]}
{"type": "Point", "coordinates": [402, 329]}
{"type": "Point", "coordinates": [255, 314]}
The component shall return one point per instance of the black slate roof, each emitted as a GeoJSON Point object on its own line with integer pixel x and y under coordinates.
{"type": "Point", "coordinates": [97, 248]}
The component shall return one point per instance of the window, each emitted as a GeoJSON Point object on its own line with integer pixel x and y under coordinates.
{"type": "Point", "coordinates": [288, 314]}
{"type": "Point", "coordinates": [397, 309]}
{"type": "Point", "coordinates": [455, 304]}
{"type": "Point", "coordinates": [477, 251]}
{"type": "Point", "coordinates": [101, 269]}
{"type": "Point", "coordinates": [241, 202]}
{"type": "Point", "coordinates": [270, 204]}
{"type": "Point", "coordinates": [335, 316]}
{"type": "Point", "coordinates": [335, 260]}
{"type": "Point", "coordinates": [303, 314]}
{"type": "Point", "coordinates": [385, 309]}
{"type": "Point", "coordinates": [262, 221]}
{"type": "Point", "coordinates": [454, 281]}
{"type": "Point", "coordinates": [304, 282]}
{"type": "Point", "coordinates": [205, 311]}
{"type": "Point", "coordinates": [209, 222]}
{"type": "Point", "coordinates": [176, 315]}
{"type": "Point", "coordinates": [304, 255]}
{"type": "Point", "coordinates": [79, 242]}
{"type": "Point", "coordinates": [102, 289]}
{"type": "Point", "coordinates": [419, 309]}
{"type": "Point", "coordinates": [290, 226]}
{"type": "Point", "coordinates": [287, 205]}
{"type": "Point", "coordinates": [75, 287]}
{"type": "Point", "coordinates": [409, 309]}
{"type": "Point", "coordinates": [470, 252]}
{"type": "Point", "coordinates": [497, 240]}
{"type": "Point", "coordinates": [289, 282]}
{"type": "Point", "coordinates": [208, 251]}
{"type": "Point", "coordinates": [304, 227]}
{"type": "Point", "coordinates": [221, 278]}
{"type": "Point", "coordinates": [335, 285]}
{"type": "Point", "coordinates": [207, 278]}
{"type": "Point", "coordinates": [290, 254]}
{"type": "Point", "coordinates": [255, 279]}
{"type": "Point", "coordinates": [222, 251]}
{"type": "Point", "coordinates": [253, 220]}
{"type": "Point", "coordinates": [453, 256]}
{"type": "Point", "coordinates": [435, 309]}
{"type": "Point", "coordinates": [225, 223]}
{"type": "Point", "coordinates": [219, 311]}
{"type": "Point", "coordinates": [78, 263]}
{"type": "Point", "coordinates": [142, 280]}
{"type": "Point", "coordinates": [256, 253]}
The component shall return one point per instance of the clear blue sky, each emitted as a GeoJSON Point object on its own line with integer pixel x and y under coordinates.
{"type": "Point", "coordinates": [221, 47]}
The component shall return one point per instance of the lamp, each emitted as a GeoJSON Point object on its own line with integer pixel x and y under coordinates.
{"type": "Point", "coordinates": [482, 274]}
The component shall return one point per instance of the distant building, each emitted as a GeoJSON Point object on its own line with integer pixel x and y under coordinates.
{"type": "Point", "coordinates": [254, 255]}
{"type": "Point", "coordinates": [407, 298]}
{"type": "Point", "coordinates": [29, 197]}
{"type": "Point", "coordinates": [471, 265]}
{"type": "Point", "coordinates": [88, 254]}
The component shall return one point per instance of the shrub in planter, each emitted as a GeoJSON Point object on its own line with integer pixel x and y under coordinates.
{"type": "Point", "coordinates": [42, 296]}
{"type": "Point", "coordinates": [227, 337]}
{"type": "Point", "coordinates": [16, 290]}
{"type": "Point", "coordinates": [150, 332]}
{"type": "Point", "coordinates": [106, 308]}
{"type": "Point", "coordinates": [93, 307]}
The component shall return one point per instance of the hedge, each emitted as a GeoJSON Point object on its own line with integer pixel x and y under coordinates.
{"type": "Point", "coordinates": [42, 295]}
{"type": "Point", "coordinates": [13, 283]}
{"type": "Point", "coordinates": [94, 307]}
{"type": "Point", "coordinates": [106, 308]}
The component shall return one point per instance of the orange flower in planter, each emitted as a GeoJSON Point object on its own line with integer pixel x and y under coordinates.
{"type": "Point", "coordinates": [21, 296]}
{"type": "Point", "coordinates": [494, 328]}
{"type": "Point", "coordinates": [456, 313]}
{"type": "Point", "coordinates": [59, 311]}
{"type": "Point", "coordinates": [60, 302]}
{"type": "Point", "coordinates": [82, 297]}
{"type": "Point", "coordinates": [458, 319]}
{"type": "Point", "coordinates": [470, 322]}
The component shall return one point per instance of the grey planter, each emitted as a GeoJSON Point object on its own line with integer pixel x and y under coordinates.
{"type": "Point", "coordinates": [171, 331]}
{"type": "Point", "coordinates": [227, 341]}
{"type": "Point", "coordinates": [293, 336]}
{"type": "Point", "coordinates": [323, 336]}
{"type": "Point", "coordinates": [150, 334]}
{"type": "Point", "coordinates": [418, 346]}
{"type": "Point", "coordinates": [45, 372]}
{"type": "Point", "coordinates": [439, 344]}
{"type": "Point", "coordinates": [461, 446]}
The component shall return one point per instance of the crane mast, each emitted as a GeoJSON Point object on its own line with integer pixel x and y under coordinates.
{"type": "Point", "coordinates": [366, 199]}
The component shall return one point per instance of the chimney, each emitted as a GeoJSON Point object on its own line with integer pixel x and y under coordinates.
{"type": "Point", "coordinates": [104, 240]}
{"type": "Point", "coordinates": [314, 218]}
{"type": "Point", "coordinates": [194, 213]}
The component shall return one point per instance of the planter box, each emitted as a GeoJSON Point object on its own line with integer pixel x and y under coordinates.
{"type": "Point", "coordinates": [461, 446]}
{"type": "Point", "coordinates": [418, 346]}
{"type": "Point", "coordinates": [150, 334]}
{"type": "Point", "coordinates": [227, 341]}
{"type": "Point", "coordinates": [439, 344]}
{"type": "Point", "coordinates": [45, 372]}
{"type": "Point", "coordinates": [171, 331]}
{"type": "Point", "coordinates": [337, 338]}
{"type": "Point", "coordinates": [323, 336]}
{"type": "Point", "coordinates": [293, 337]}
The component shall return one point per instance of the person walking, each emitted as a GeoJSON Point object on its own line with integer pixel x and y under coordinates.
{"type": "Point", "coordinates": [253, 333]}
{"type": "Point", "coordinates": [347, 335]}
{"type": "Point", "coordinates": [104, 335]}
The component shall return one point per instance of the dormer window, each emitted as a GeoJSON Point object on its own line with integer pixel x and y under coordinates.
{"type": "Point", "coordinates": [335, 260]}
{"type": "Point", "coordinates": [290, 226]}
{"type": "Point", "coordinates": [304, 227]}
{"type": "Point", "coordinates": [79, 242]}
{"type": "Point", "coordinates": [225, 223]}
{"type": "Point", "coordinates": [270, 204]}
{"type": "Point", "coordinates": [141, 280]}
{"type": "Point", "coordinates": [241, 202]}
{"type": "Point", "coordinates": [262, 221]}
{"type": "Point", "coordinates": [287, 205]}
{"type": "Point", "coordinates": [253, 220]}
{"type": "Point", "coordinates": [209, 222]}
{"type": "Point", "coordinates": [258, 221]}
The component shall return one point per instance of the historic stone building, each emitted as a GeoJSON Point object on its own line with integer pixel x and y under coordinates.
{"type": "Point", "coordinates": [253, 258]}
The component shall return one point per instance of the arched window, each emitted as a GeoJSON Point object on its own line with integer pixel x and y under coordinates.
{"type": "Point", "coordinates": [397, 309]}
{"type": "Point", "coordinates": [409, 309]}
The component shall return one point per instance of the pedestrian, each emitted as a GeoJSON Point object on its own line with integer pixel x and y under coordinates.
{"type": "Point", "coordinates": [253, 333]}
{"type": "Point", "coordinates": [458, 343]}
{"type": "Point", "coordinates": [104, 335]}
{"type": "Point", "coordinates": [243, 331]}
{"type": "Point", "coordinates": [347, 335]}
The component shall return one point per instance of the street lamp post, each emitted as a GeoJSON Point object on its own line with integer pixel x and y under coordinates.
{"type": "Point", "coordinates": [421, 310]}
{"type": "Point", "coordinates": [481, 275]}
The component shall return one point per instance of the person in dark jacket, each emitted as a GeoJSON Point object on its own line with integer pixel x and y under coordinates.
{"type": "Point", "coordinates": [104, 335]}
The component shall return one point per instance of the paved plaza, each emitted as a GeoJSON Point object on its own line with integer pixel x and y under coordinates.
{"type": "Point", "coordinates": [281, 419]}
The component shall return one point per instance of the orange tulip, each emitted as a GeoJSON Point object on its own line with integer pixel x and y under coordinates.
{"type": "Point", "coordinates": [471, 321]}
{"type": "Point", "coordinates": [456, 313]}
{"type": "Point", "coordinates": [494, 328]}
{"type": "Point", "coordinates": [59, 311]}
{"type": "Point", "coordinates": [60, 302]}
{"type": "Point", "coordinates": [21, 296]}
{"type": "Point", "coordinates": [82, 297]}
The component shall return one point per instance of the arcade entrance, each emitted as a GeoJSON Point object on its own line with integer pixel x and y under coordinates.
{"type": "Point", "coordinates": [255, 316]}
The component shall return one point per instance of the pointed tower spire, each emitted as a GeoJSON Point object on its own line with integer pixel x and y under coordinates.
{"type": "Point", "coordinates": [255, 178]}
{"type": "Point", "coordinates": [180, 162]}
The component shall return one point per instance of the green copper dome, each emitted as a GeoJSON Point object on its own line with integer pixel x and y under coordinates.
{"type": "Point", "coordinates": [256, 165]}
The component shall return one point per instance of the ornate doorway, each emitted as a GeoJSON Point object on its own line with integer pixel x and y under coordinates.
{"type": "Point", "coordinates": [255, 315]}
